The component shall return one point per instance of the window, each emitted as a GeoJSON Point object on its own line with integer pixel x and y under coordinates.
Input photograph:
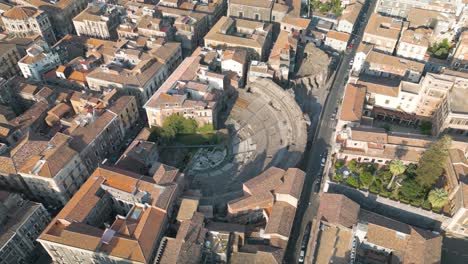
{"type": "Point", "coordinates": [241, 14]}
{"type": "Point", "coordinates": [257, 17]}
{"type": "Point", "coordinates": [387, 101]}
{"type": "Point", "coordinates": [273, 18]}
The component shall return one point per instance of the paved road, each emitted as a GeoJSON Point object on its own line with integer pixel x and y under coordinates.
{"type": "Point", "coordinates": [309, 200]}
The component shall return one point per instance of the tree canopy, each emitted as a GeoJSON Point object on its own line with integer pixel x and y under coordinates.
{"type": "Point", "coordinates": [332, 6]}
{"type": "Point", "coordinates": [441, 49]}
{"type": "Point", "coordinates": [396, 168]}
{"type": "Point", "coordinates": [174, 125]}
{"type": "Point", "coordinates": [431, 163]}
{"type": "Point", "coordinates": [411, 190]}
{"type": "Point", "coordinates": [438, 198]}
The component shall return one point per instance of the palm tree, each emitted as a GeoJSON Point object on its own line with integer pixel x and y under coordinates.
{"type": "Point", "coordinates": [396, 168]}
{"type": "Point", "coordinates": [438, 198]}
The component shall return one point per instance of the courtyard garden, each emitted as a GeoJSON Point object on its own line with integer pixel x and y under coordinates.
{"type": "Point", "coordinates": [333, 7]}
{"type": "Point", "coordinates": [178, 129]}
{"type": "Point", "coordinates": [419, 185]}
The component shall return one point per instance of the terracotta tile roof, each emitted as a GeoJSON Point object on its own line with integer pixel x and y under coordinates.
{"type": "Point", "coordinates": [238, 55]}
{"type": "Point", "coordinates": [251, 202]}
{"type": "Point", "coordinates": [334, 244]}
{"type": "Point", "coordinates": [353, 103]}
{"type": "Point", "coordinates": [293, 183]}
{"type": "Point", "coordinates": [380, 85]}
{"type": "Point", "coordinates": [133, 237]}
{"type": "Point", "coordinates": [165, 174]}
{"type": "Point", "coordinates": [256, 254]}
{"type": "Point", "coordinates": [84, 135]}
{"type": "Point", "coordinates": [298, 23]}
{"type": "Point", "coordinates": [412, 245]}
{"type": "Point", "coordinates": [341, 36]}
{"type": "Point", "coordinates": [259, 190]}
{"type": "Point", "coordinates": [20, 13]}
{"type": "Point", "coordinates": [256, 40]}
{"type": "Point", "coordinates": [54, 158]}
{"type": "Point", "coordinates": [247, 3]}
{"type": "Point", "coordinates": [374, 135]}
{"type": "Point", "coordinates": [281, 219]}
{"type": "Point", "coordinates": [188, 245]}
{"type": "Point", "coordinates": [338, 209]}
{"type": "Point", "coordinates": [383, 26]}
{"type": "Point", "coordinates": [351, 12]}
{"type": "Point", "coordinates": [392, 64]}
{"type": "Point", "coordinates": [7, 166]}
{"type": "Point", "coordinates": [266, 181]}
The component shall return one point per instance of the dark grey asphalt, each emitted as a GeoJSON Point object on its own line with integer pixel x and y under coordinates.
{"type": "Point", "coordinates": [309, 200]}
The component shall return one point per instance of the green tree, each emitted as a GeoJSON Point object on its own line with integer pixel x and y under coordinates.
{"type": "Point", "coordinates": [396, 168]}
{"type": "Point", "coordinates": [438, 198]}
{"type": "Point", "coordinates": [431, 163]}
{"type": "Point", "coordinates": [180, 124]}
{"type": "Point", "coordinates": [365, 178]}
{"type": "Point", "coordinates": [338, 164]}
{"type": "Point", "coordinates": [353, 166]}
{"type": "Point", "coordinates": [411, 190]}
{"type": "Point", "coordinates": [441, 49]}
{"type": "Point", "coordinates": [352, 181]}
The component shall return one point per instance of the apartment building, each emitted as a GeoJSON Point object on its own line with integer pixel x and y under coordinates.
{"type": "Point", "coordinates": [375, 145]}
{"type": "Point", "coordinates": [266, 11]}
{"type": "Point", "coordinates": [435, 87]}
{"type": "Point", "coordinates": [137, 207]}
{"type": "Point", "coordinates": [9, 58]}
{"type": "Point", "coordinates": [273, 195]}
{"type": "Point", "coordinates": [95, 137]}
{"type": "Point", "coordinates": [283, 56]}
{"type": "Point", "coordinates": [234, 64]}
{"type": "Point", "coordinates": [452, 114]}
{"type": "Point", "coordinates": [26, 21]}
{"type": "Point", "coordinates": [191, 22]}
{"type": "Point", "coordinates": [98, 20]}
{"type": "Point", "coordinates": [391, 99]}
{"type": "Point", "coordinates": [337, 40]}
{"type": "Point", "coordinates": [342, 231]}
{"type": "Point", "coordinates": [140, 157]}
{"type": "Point", "coordinates": [131, 70]}
{"type": "Point", "coordinates": [401, 8]}
{"type": "Point", "coordinates": [383, 65]}
{"type": "Point", "coordinates": [213, 10]}
{"type": "Point", "coordinates": [254, 36]}
{"type": "Point", "coordinates": [456, 170]}
{"type": "Point", "coordinates": [38, 60]}
{"type": "Point", "coordinates": [413, 44]}
{"type": "Point", "coordinates": [349, 17]}
{"type": "Point", "coordinates": [460, 56]}
{"type": "Point", "coordinates": [383, 32]}
{"type": "Point", "coordinates": [53, 171]}
{"type": "Point", "coordinates": [192, 91]}
{"type": "Point", "coordinates": [443, 25]}
{"type": "Point", "coordinates": [253, 10]}
{"type": "Point", "coordinates": [22, 222]}
{"type": "Point", "coordinates": [188, 243]}
{"type": "Point", "coordinates": [60, 13]}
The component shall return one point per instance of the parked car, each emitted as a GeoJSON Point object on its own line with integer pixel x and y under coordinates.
{"type": "Point", "coordinates": [324, 159]}
{"type": "Point", "coordinates": [305, 241]}
{"type": "Point", "coordinates": [301, 256]}
{"type": "Point", "coordinates": [335, 112]}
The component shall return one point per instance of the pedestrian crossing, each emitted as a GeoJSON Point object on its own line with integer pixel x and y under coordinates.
{"type": "Point", "coordinates": [329, 123]}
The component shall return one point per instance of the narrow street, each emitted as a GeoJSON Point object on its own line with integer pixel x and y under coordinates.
{"type": "Point", "coordinates": [309, 202]}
